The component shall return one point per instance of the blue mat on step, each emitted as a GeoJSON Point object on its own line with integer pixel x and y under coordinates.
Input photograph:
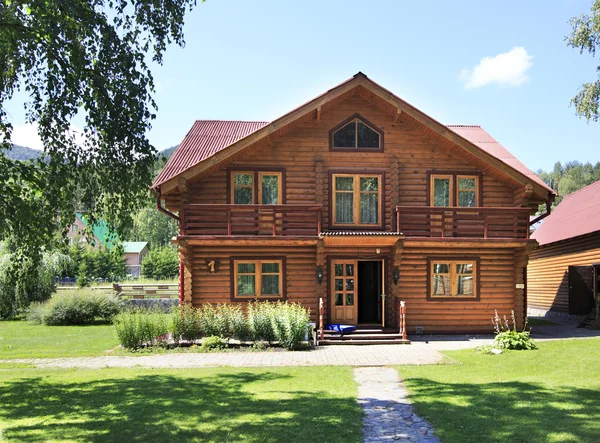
{"type": "Point", "coordinates": [342, 329]}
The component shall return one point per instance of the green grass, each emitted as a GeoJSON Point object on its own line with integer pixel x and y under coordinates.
{"type": "Point", "coordinates": [548, 395]}
{"type": "Point", "coordinates": [537, 321]}
{"type": "Point", "coordinates": [310, 404]}
{"type": "Point", "coordinates": [20, 339]}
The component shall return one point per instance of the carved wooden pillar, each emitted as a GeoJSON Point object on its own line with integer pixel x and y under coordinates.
{"type": "Point", "coordinates": [186, 256]}
{"type": "Point", "coordinates": [321, 291]}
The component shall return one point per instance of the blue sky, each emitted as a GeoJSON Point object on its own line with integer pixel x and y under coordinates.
{"type": "Point", "coordinates": [256, 60]}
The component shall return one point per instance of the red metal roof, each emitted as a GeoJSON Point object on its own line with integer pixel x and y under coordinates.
{"type": "Point", "coordinates": [206, 138]}
{"type": "Point", "coordinates": [577, 214]}
{"type": "Point", "coordinates": [480, 138]}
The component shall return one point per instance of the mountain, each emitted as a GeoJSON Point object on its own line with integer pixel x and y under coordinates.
{"type": "Point", "coordinates": [168, 152]}
{"type": "Point", "coordinates": [19, 152]}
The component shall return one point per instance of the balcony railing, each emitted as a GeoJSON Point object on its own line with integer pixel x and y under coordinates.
{"type": "Point", "coordinates": [428, 221]}
{"type": "Point", "coordinates": [251, 220]}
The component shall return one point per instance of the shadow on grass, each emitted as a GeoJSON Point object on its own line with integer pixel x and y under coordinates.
{"type": "Point", "coordinates": [507, 412]}
{"type": "Point", "coordinates": [167, 408]}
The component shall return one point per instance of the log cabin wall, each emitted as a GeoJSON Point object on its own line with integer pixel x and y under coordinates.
{"type": "Point", "coordinates": [548, 271]}
{"type": "Point", "coordinates": [496, 290]}
{"type": "Point", "coordinates": [416, 150]}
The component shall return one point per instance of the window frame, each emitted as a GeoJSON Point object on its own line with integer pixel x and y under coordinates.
{"type": "Point", "coordinates": [258, 262]}
{"type": "Point", "coordinates": [356, 203]}
{"type": "Point", "coordinates": [366, 122]}
{"type": "Point", "coordinates": [257, 172]}
{"type": "Point", "coordinates": [452, 261]}
{"type": "Point", "coordinates": [454, 189]}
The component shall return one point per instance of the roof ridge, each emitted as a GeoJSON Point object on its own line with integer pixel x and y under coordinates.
{"type": "Point", "coordinates": [463, 126]}
{"type": "Point", "coordinates": [233, 121]}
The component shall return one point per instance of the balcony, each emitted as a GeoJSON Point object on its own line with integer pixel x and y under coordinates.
{"type": "Point", "coordinates": [251, 220]}
{"type": "Point", "coordinates": [446, 222]}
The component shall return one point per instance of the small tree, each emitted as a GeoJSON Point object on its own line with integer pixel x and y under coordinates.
{"type": "Point", "coordinates": [161, 263]}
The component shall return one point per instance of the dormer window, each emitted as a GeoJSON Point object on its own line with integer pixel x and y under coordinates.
{"type": "Point", "coordinates": [356, 134]}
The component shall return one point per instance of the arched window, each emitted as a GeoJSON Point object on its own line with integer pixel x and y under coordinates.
{"type": "Point", "coordinates": [356, 133]}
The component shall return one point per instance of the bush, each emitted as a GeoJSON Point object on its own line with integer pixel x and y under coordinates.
{"type": "Point", "coordinates": [100, 263]}
{"type": "Point", "coordinates": [75, 308]}
{"type": "Point", "coordinates": [508, 337]}
{"type": "Point", "coordinates": [186, 323]}
{"type": "Point", "coordinates": [213, 342]}
{"type": "Point", "coordinates": [161, 263]}
{"type": "Point", "coordinates": [141, 327]}
{"type": "Point", "coordinates": [24, 281]}
{"type": "Point", "coordinates": [290, 324]}
{"type": "Point", "coordinates": [259, 321]}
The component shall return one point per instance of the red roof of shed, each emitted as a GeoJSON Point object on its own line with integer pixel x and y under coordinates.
{"type": "Point", "coordinates": [577, 214]}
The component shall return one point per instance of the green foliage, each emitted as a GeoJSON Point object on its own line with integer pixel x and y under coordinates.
{"type": "Point", "coordinates": [569, 178]}
{"type": "Point", "coordinates": [290, 324]}
{"type": "Point", "coordinates": [260, 326]}
{"type": "Point", "coordinates": [88, 60]}
{"type": "Point", "coordinates": [161, 263]}
{"type": "Point", "coordinates": [213, 342]}
{"type": "Point", "coordinates": [186, 323]}
{"type": "Point", "coordinates": [508, 337]}
{"type": "Point", "coordinates": [585, 36]}
{"type": "Point", "coordinates": [154, 227]}
{"type": "Point", "coordinates": [25, 281]}
{"type": "Point", "coordinates": [100, 263]}
{"type": "Point", "coordinates": [137, 328]}
{"type": "Point", "coordinates": [75, 308]}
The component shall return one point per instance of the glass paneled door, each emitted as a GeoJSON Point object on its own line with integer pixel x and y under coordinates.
{"type": "Point", "coordinates": [344, 284]}
{"type": "Point", "coordinates": [269, 193]}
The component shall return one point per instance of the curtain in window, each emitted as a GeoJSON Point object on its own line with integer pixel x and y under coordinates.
{"type": "Point", "coordinates": [466, 192]}
{"type": "Point", "coordinates": [344, 200]}
{"type": "Point", "coordinates": [246, 279]}
{"type": "Point", "coordinates": [242, 189]}
{"type": "Point", "coordinates": [270, 190]}
{"type": "Point", "coordinates": [369, 200]}
{"type": "Point", "coordinates": [270, 279]}
{"type": "Point", "coordinates": [441, 192]}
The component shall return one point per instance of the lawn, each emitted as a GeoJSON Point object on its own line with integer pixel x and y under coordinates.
{"type": "Point", "coordinates": [548, 395]}
{"type": "Point", "coordinates": [19, 339]}
{"type": "Point", "coordinates": [538, 321]}
{"type": "Point", "coordinates": [311, 404]}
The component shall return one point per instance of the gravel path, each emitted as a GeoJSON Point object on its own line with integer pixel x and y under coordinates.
{"type": "Point", "coordinates": [389, 415]}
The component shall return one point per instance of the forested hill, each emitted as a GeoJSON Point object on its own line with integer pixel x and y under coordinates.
{"type": "Point", "coordinates": [19, 152]}
{"type": "Point", "coordinates": [570, 177]}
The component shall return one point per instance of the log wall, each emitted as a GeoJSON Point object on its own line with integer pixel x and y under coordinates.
{"type": "Point", "coordinates": [548, 270]}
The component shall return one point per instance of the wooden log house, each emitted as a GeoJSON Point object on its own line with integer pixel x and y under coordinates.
{"type": "Point", "coordinates": [360, 199]}
{"type": "Point", "coordinates": [564, 270]}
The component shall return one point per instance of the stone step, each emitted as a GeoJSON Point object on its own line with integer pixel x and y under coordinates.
{"type": "Point", "coordinates": [395, 341]}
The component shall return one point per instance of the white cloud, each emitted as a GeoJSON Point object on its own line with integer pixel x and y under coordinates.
{"type": "Point", "coordinates": [509, 68]}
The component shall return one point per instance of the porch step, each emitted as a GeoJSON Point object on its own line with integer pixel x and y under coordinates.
{"type": "Point", "coordinates": [364, 336]}
{"type": "Point", "coordinates": [395, 341]}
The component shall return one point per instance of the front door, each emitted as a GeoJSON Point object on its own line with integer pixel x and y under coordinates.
{"type": "Point", "coordinates": [344, 283]}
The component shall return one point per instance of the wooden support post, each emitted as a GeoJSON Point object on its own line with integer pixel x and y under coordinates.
{"type": "Point", "coordinates": [321, 321]}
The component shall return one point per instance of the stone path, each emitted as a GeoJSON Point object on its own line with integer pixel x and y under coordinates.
{"type": "Point", "coordinates": [372, 355]}
{"type": "Point", "coordinates": [389, 415]}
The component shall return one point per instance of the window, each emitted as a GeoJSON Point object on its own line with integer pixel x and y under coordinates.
{"type": "Point", "coordinates": [256, 187]}
{"type": "Point", "coordinates": [453, 278]}
{"type": "Point", "coordinates": [258, 278]}
{"type": "Point", "coordinates": [454, 190]}
{"type": "Point", "coordinates": [356, 199]}
{"type": "Point", "coordinates": [74, 228]}
{"type": "Point", "coordinates": [356, 133]}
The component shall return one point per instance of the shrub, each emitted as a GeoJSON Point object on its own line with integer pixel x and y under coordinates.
{"type": "Point", "coordinates": [75, 308]}
{"type": "Point", "coordinates": [100, 263]}
{"type": "Point", "coordinates": [141, 327]}
{"type": "Point", "coordinates": [24, 280]}
{"type": "Point", "coordinates": [213, 342]}
{"type": "Point", "coordinates": [186, 323]}
{"type": "Point", "coordinates": [259, 321]}
{"type": "Point", "coordinates": [290, 324]}
{"type": "Point", "coordinates": [508, 337]}
{"type": "Point", "coordinates": [161, 263]}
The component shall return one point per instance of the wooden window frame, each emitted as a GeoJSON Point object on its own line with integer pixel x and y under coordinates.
{"type": "Point", "coordinates": [356, 203]}
{"type": "Point", "coordinates": [454, 190]}
{"type": "Point", "coordinates": [366, 122]}
{"type": "Point", "coordinates": [452, 261]}
{"type": "Point", "coordinates": [234, 261]}
{"type": "Point", "coordinates": [459, 190]}
{"type": "Point", "coordinates": [257, 172]}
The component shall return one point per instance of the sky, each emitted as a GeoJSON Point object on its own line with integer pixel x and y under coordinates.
{"type": "Point", "coordinates": [502, 65]}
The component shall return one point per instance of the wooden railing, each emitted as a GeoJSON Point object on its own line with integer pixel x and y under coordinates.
{"type": "Point", "coordinates": [428, 221]}
{"type": "Point", "coordinates": [401, 316]}
{"type": "Point", "coordinates": [249, 220]}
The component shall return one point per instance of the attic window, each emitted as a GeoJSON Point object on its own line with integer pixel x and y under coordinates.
{"type": "Point", "coordinates": [356, 134]}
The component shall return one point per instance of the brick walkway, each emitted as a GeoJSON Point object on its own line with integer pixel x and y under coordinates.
{"type": "Point", "coordinates": [373, 355]}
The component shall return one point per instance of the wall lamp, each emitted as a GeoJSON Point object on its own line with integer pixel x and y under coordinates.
{"type": "Point", "coordinates": [396, 275]}
{"type": "Point", "coordinates": [319, 274]}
